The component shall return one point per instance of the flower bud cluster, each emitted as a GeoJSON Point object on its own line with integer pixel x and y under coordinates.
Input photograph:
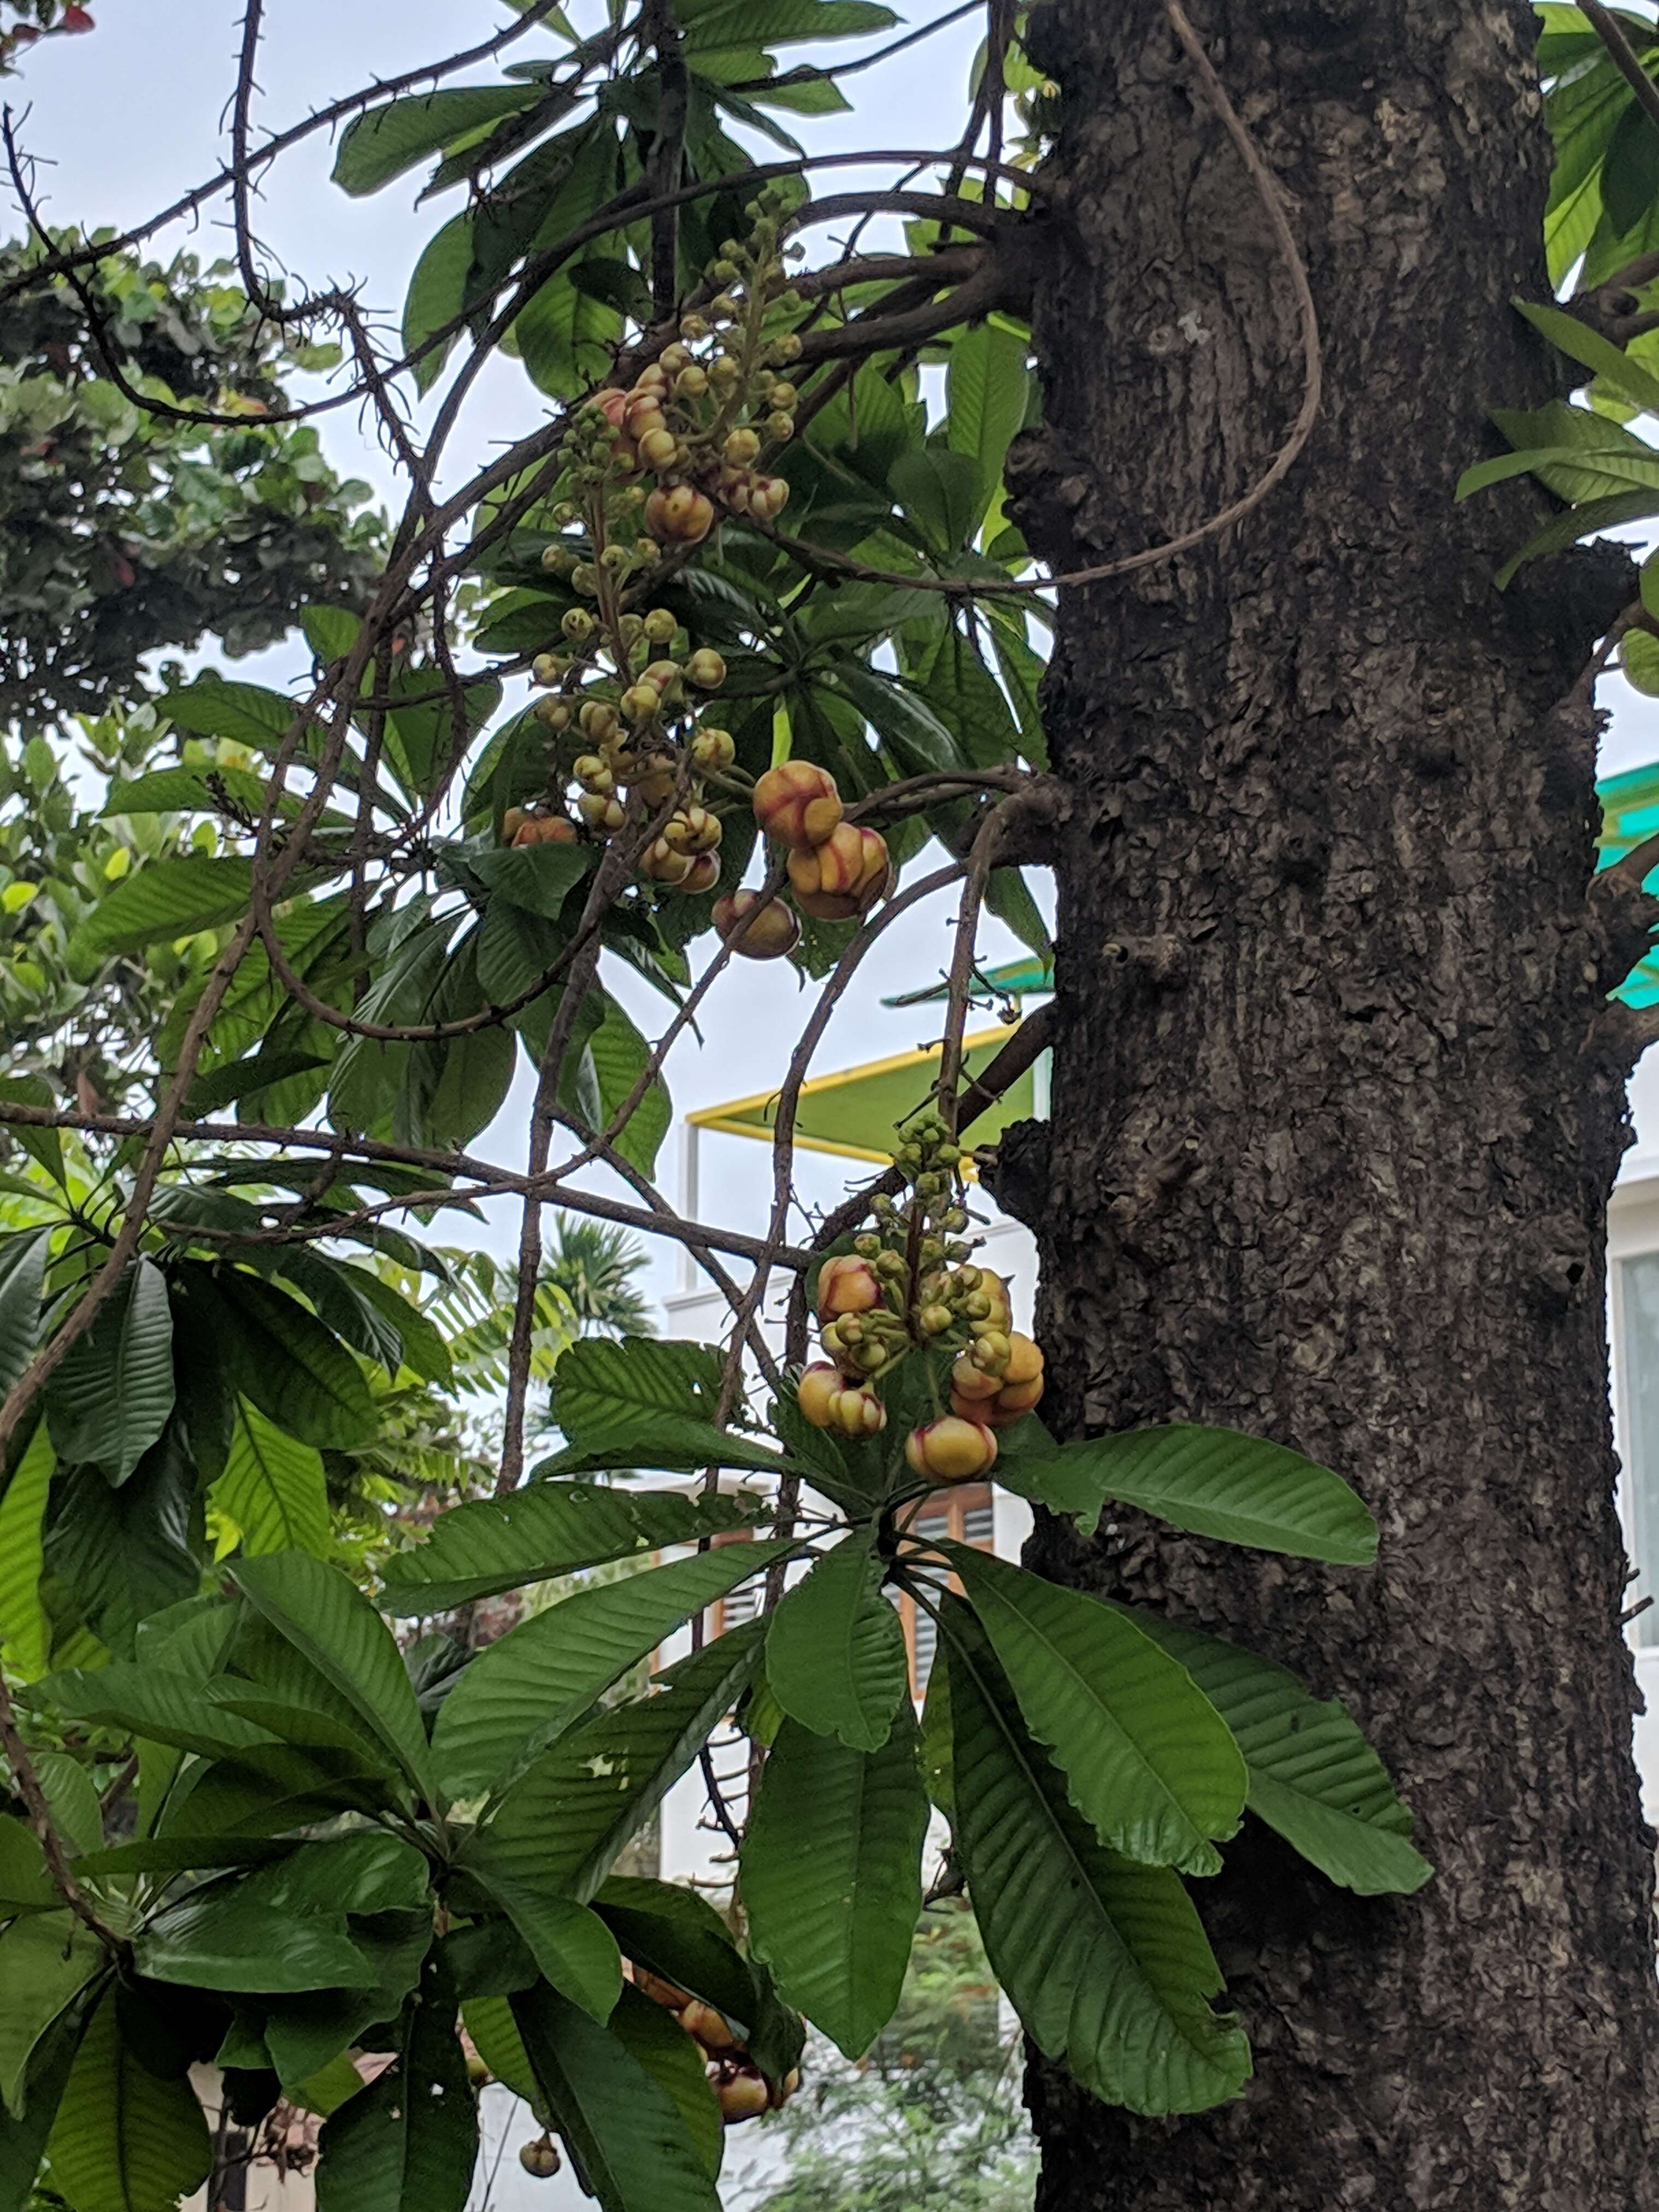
{"type": "Point", "coordinates": [741, 2090]}
{"type": "Point", "coordinates": [910, 1285]}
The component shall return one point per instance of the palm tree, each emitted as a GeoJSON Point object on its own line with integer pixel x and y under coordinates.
{"type": "Point", "coordinates": [594, 1265]}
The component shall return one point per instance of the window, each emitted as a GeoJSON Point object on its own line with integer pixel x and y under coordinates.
{"type": "Point", "coordinates": [1638, 1360]}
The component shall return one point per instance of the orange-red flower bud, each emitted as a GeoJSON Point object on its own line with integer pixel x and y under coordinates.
{"type": "Point", "coordinates": [846, 1285]}
{"type": "Point", "coordinates": [842, 876]}
{"type": "Point", "coordinates": [818, 1386]}
{"type": "Point", "coordinates": [772, 933]}
{"type": "Point", "coordinates": [797, 804]}
{"type": "Point", "coordinates": [677, 514]}
{"type": "Point", "coordinates": [953, 1450]}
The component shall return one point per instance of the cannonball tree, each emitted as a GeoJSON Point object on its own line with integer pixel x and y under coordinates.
{"type": "Point", "coordinates": [1079, 494]}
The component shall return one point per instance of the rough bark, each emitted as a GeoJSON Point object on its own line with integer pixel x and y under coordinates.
{"type": "Point", "coordinates": [1335, 1118]}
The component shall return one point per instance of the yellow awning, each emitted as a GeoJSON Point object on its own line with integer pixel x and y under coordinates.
{"type": "Point", "coordinates": [852, 1113]}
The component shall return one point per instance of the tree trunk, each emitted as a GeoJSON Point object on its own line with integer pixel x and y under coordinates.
{"type": "Point", "coordinates": [1337, 1105]}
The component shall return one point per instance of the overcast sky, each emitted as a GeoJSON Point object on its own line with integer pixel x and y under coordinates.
{"type": "Point", "coordinates": [126, 118]}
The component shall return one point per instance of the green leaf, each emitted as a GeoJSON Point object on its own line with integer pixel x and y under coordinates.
{"type": "Point", "coordinates": [940, 490]}
{"type": "Point", "coordinates": [454, 1087]}
{"type": "Point", "coordinates": [537, 878]}
{"type": "Point", "coordinates": [834, 1653]}
{"type": "Point", "coordinates": [166, 898]}
{"type": "Point", "coordinates": [24, 1629]}
{"type": "Point", "coordinates": [326, 1618]}
{"type": "Point", "coordinates": [306, 2033]}
{"type": "Point", "coordinates": [110, 1399]}
{"type": "Point", "coordinates": [496, 1544]}
{"type": "Point", "coordinates": [125, 2140]}
{"type": "Point", "coordinates": [47, 1958]}
{"type": "Point", "coordinates": [1578, 340]}
{"type": "Point", "coordinates": [559, 1828]}
{"type": "Point", "coordinates": [655, 2038]}
{"type": "Point", "coordinates": [496, 2035]}
{"type": "Point", "coordinates": [437, 297]}
{"type": "Point", "coordinates": [986, 389]}
{"type": "Point", "coordinates": [72, 1796]}
{"type": "Point", "coordinates": [25, 1878]}
{"type": "Point", "coordinates": [217, 1939]}
{"type": "Point", "coordinates": [1312, 1775]}
{"type": "Point", "coordinates": [408, 2143]}
{"type": "Point", "coordinates": [613, 1059]}
{"type": "Point", "coordinates": [679, 1934]}
{"type": "Point", "coordinates": [297, 1374]}
{"type": "Point", "coordinates": [1104, 1961]}
{"type": "Point", "coordinates": [159, 1703]}
{"type": "Point", "coordinates": [383, 143]}
{"type": "Point", "coordinates": [46, 1145]}
{"type": "Point", "coordinates": [246, 712]}
{"type": "Point", "coordinates": [642, 1396]}
{"type": "Point", "coordinates": [186, 791]}
{"type": "Point", "coordinates": [1238, 1489]}
{"type": "Point", "coordinates": [520, 1693]}
{"type": "Point", "coordinates": [626, 2130]}
{"type": "Point", "coordinates": [832, 1876]}
{"type": "Point", "coordinates": [571, 1946]}
{"type": "Point", "coordinates": [22, 1279]}
{"type": "Point", "coordinates": [1638, 654]}
{"type": "Point", "coordinates": [23, 2142]}
{"type": "Point", "coordinates": [1146, 1755]}
{"type": "Point", "coordinates": [1577, 522]}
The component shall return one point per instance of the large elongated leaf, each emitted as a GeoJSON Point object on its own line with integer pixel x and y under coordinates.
{"type": "Point", "coordinates": [547, 1528]}
{"type": "Point", "coordinates": [159, 1704]}
{"type": "Point", "coordinates": [45, 1960]}
{"type": "Point", "coordinates": [249, 712]}
{"type": "Point", "coordinates": [436, 296]}
{"type": "Point", "coordinates": [1239, 1489]}
{"type": "Point", "coordinates": [408, 2143]}
{"type": "Point", "coordinates": [613, 1059]}
{"type": "Point", "coordinates": [641, 1396]}
{"type": "Point", "coordinates": [626, 2129]}
{"type": "Point", "coordinates": [167, 898]}
{"type": "Point", "coordinates": [110, 1399]}
{"type": "Point", "coordinates": [23, 2142]}
{"type": "Point", "coordinates": [832, 1876]}
{"type": "Point", "coordinates": [538, 879]}
{"type": "Point", "coordinates": [572, 1947]}
{"type": "Point", "coordinates": [25, 1880]}
{"type": "Point", "coordinates": [517, 1695]}
{"type": "Point", "coordinates": [1104, 1961]}
{"type": "Point", "coordinates": [125, 2140]}
{"type": "Point", "coordinates": [834, 1654]}
{"type": "Point", "coordinates": [25, 1631]}
{"type": "Point", "coordinates": [986, 387]}
{"type": "Point", "coordinates": [560, 1826]}
{"type": "Point", "coordinates": [293, 1370]}
{"type": "Point", "coordinates": [22, 1275]}
{"type": "Point", "coordinates": [655, 2038]}
{"type": "Point", "coordinates": [308, 2031]}
{"type": "Point", "coordinates": [274, 1489]}
{"type": "Point", "coordinates": [327, 1619]}
{"type": "Point", "coordinates": [1312, 1775]}
{"type": "Point", "coordinates": [1146, 1755]}
{"type": "Point", "coordinates": [382, 143]}
{"type": "Point", "coordinates": [217, 1939]}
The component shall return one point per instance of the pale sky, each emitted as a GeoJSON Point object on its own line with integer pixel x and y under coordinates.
{"type": "Point", "coordinates": [124, 118]}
